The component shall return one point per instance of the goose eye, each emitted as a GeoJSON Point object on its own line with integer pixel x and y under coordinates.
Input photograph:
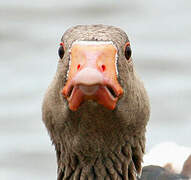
{"type": "Point", "coordinates": [127, 51]}
{"type": "Point", "coordinates": [61, 50]}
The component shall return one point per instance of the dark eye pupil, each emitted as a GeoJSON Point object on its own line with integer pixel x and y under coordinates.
{"type": "Point", "coordinates": [61, 52]}
{"type": "Point", "coordinates": [127, 52]}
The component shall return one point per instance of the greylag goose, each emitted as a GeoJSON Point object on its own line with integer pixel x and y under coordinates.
{"type": "Point", "coordinates": [159, 173]}
{"type": "Point", "coordinates": [96, 108]}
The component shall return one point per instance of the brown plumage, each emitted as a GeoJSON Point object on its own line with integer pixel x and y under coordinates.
{"type": "Point", "coordinates": [94, 142]}
{"type": "Point", "coordinates": [160, 173]}
{"type": "Point", "coordinates": [186, 170]}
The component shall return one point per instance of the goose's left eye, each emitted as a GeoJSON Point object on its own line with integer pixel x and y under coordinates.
{"type": "Point", "coordinates": [128, 51]}
{"type": "Point", "coordinates": [61, 50]}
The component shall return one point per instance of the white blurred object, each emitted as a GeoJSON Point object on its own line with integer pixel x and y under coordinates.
{"type": "Point", "coordinates": [167, 152]}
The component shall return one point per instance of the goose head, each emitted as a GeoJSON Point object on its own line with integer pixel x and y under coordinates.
{"type": "Point", "coordinates": [96, 108]}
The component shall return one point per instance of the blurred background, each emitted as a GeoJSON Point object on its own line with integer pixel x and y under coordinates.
{"type": "Point", "coordinates": [30, 33]}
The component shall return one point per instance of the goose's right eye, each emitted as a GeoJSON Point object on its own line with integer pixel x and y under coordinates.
{"type": "Point", "coordinates": [61, 50]}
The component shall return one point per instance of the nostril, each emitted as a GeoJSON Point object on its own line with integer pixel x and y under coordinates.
{"type": "Point", "coordinates": [78, 67]}
{"type": "Point", "coordinates": [103, 67]}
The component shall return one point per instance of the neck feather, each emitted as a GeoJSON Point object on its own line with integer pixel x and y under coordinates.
{"type": "Point", "coordinates": [123, 163]}
{"type": "Point", "coordinates": [101, 145]}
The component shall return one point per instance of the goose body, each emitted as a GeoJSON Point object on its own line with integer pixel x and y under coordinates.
{"type": "Point", "coordinates": [156, 172]}
{"type": "Point", "coordinates": [96, 108]}
{"type": "Point", "coordinates": [167, 161]}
